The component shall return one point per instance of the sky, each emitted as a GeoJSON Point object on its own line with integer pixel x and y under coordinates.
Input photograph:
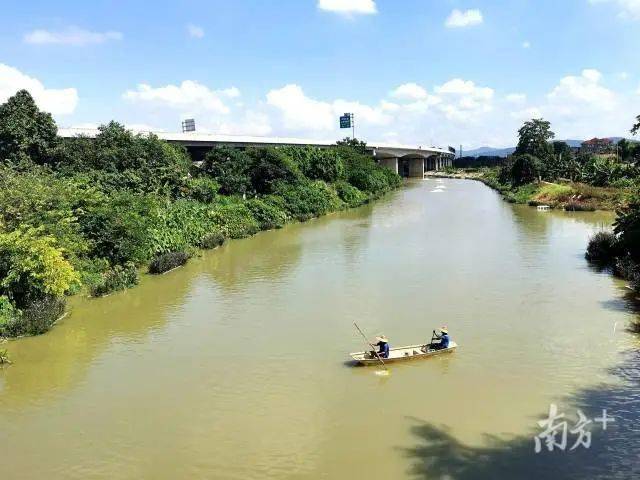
{"type": "Point", "coordinates": [417, 72]}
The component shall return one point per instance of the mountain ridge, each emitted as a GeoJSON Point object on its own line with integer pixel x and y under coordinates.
{"type": "Point", "coordinates": [506, 151]}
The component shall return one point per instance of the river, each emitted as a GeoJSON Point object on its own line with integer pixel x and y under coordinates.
{"type": "Point", "coordinates": [235, 366]}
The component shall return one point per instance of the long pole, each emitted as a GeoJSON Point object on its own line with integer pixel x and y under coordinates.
{"type": "Point", "coordinates": [371, 345]}
{"type": "Point", "coordinates": [353, 126]}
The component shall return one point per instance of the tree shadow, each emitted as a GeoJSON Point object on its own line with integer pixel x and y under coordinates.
{"type": "Point", "coordinates": [612, 454]}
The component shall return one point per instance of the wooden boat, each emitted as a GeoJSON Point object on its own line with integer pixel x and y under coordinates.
{"type": "Point", "coordinates": [403, 353]}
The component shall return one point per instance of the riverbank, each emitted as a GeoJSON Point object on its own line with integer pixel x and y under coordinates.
{"type": "Point", "coordinates": [86, 215]}
{"type": "Point", "coordinates": [564, 195]}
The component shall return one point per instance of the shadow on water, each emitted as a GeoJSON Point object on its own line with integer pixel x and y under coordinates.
{"type": "Point", "coordinates": [612, 453]}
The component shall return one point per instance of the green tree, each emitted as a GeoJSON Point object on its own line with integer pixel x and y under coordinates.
{"type": "Point", "coordinates": [627, 227]}
{"type": "Point", "coordinates": [32, 267]}
{"type": "Point", "coordinates": [625, 149]}
{"type": "Point", "coordinates": [525, 169]}
{"type": "Point", "coordinates": [357, 145]}
{"type": "Point", "coordinates": [534, 138]}
{"type": "Point", "coordinates": [271, 165]}
{"type": "Point", "coordinates": [561, 162]}
{"type": "Point", "coordinates": [636, 128]}
{"type": "Point", "coordinates": [230, 167]}
{"type": "Point", "coordinates": [25, 131]}
{"type": "Point", "coordinates": [118, 229]}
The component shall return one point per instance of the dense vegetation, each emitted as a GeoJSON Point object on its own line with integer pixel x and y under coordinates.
{"type": "Point", "coordinates": [543, 171]}
{"type": "Point", "coordinates": [85, 214]}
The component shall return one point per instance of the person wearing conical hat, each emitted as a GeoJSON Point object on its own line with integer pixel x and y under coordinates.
{"type": "Point", "coordinates": [383, 346]}
{"type": "Point", "coordinates": [444, 339]}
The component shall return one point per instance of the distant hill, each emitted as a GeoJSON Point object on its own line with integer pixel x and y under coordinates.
{"type": "Point", "coordinates": [489, 152]}
{"type": "Point", "coordinates": [505, 152]}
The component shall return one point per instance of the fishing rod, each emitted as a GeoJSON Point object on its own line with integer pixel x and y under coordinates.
{"type": "Point", "coordinates": [371, 345]}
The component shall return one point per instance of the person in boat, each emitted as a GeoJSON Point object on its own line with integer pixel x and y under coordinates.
{"type": "Point", "coordinates": [443, 339]}
{"type": "Point", "coordinates": [383, 347]}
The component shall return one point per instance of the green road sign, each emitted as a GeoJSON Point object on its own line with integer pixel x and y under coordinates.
{"type": "Point", "coordinates": [345, 121]}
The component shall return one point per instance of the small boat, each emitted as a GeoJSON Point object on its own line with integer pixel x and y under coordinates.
{"type": "Point", "coordinates": [403, 353]}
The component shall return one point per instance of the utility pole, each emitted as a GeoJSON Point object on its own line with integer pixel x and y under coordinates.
{"type": "Point", "coordinates": [353, 126]}
{"type": "Point", "coordinates": [460, 151]}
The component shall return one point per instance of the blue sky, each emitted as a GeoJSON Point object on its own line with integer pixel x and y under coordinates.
{"type": "Point", "coordinates": [421, 72]}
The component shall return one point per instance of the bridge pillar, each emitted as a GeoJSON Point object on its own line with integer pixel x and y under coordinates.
{"type": "Point", "coordinates": [416, 167]}
{"type": "Point", "coordinates": [390, 163]}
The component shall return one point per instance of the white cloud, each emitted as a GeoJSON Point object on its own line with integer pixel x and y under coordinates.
{"type": "Point", "coordinates": [516, 98]}
{"type": "Point", "coordinates": [188, 95]}
{"type": "Point", "coordinates": [575, 92]}
{"type": "Point", "coordinates": [463, 100]}
{"type": "Point", "coordinates": [302, 113]}
{"type": "Point", "coordinates": [581, 106]}
{"type": "Point", "coordinates": [251, 123]}
{"type": "Point", "coordinates": [74, 36]}
{"type": "Point", "coordinates": [465, 87]}
{"type": "Point", "coordinates": [389, 106]}
{"type": "Point", "coordinates": [459, 110]}
{"type": "Point", "coordinates": [629, 9]}
{"type": "Point", "coordinates": [348, 7]}
{"type": "Point", "coordinates": [232, 92]}
{"type": "Point", "coordinates": [409, 91]}
{"type": "Point", "coordinates": [195, 31]}
{"type": "Point", "coordinates": [527, 114]}
{"type": "Point", "coordinates": [56, 101]}
{"type": "Point", "coordinates": [526, 44]}
{"type": "Point", "coordinates": [460, 19]}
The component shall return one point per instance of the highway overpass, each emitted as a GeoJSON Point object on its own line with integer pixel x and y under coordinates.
{"type": "Point", "coordinates": [406, 160]}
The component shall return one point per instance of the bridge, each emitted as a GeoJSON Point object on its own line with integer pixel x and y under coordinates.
{"type": "Point", "coordinates": [406, 160]}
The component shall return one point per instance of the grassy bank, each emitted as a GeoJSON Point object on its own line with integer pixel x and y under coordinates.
{"type": "Point", "coordinates": [87, 215]}
{"type": "Point", "coordinates": [560, 194]}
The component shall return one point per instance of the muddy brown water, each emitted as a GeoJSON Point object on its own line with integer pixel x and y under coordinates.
{"type": "Point", "coordinates": [236, 365]}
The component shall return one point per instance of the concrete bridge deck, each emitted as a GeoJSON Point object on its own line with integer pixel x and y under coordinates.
{"type": "Point", "coordinates": [406, 160]}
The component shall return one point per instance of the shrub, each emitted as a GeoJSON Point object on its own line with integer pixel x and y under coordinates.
{"type": "Point", "coordinates": [230, 167]}
{"type": "Point", "coordinates": [39, 198]}
{"type": "Point", "coordinates": [309, 199]}
{"type": "Point", "coordinates": [350, 194]}
{"type": "Point", "coordinates": [32, 267]}
{"type": "Point", "coordinates": [625, 267]}
{"type": "Point", "coordinates": [203, 189]}
{"type": "Point", "coordinates": [393, 179]}
{"type": "Point", "coordinates": [602, 249]}
{"type": "Point", "coordinates": [180, 225]}
{"type": "Point", "coordinates": [212, 240]}
{"type": "Point", "coordinates": [525, 169]}
{"type": "Point", "coordinates": [363, 173]}
{"type": "Point", "coordinates": [119, 277]}
{"type": "Point", "coordinates": [270, 166]}
{"type": "Point", "coordinates": [268, 215]}
{"type": "Point", "coordinates": [325, 165]}
{"type": "Point", "coordinates": [235, 220]}
{"type": "Point", "coordinates": [577, 206]}
{"type": "Point", "coordinates": [627, 227]}
{"type": "Point", "coordinates": [4, 357]}
{"type": "Point", "coordinates": [36, 319]}
{"type": "Point", "coordinates": [8, 311]}
{"type": "Point", "coordinates": [167, 261]}
{"type": "Point", "coordinates": [119, 227]}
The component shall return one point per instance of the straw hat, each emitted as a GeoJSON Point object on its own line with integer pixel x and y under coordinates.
{"type": "Point", "coordinates": [444, 330]}
{"type": "Point", "coordinates": [382, 338]}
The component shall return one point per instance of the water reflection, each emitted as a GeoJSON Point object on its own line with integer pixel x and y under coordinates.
{"type": "Point", "coordinates": [612, 454]}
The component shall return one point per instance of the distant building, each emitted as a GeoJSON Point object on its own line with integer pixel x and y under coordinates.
{"type": "Point", "coordinates": [596, 145]}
